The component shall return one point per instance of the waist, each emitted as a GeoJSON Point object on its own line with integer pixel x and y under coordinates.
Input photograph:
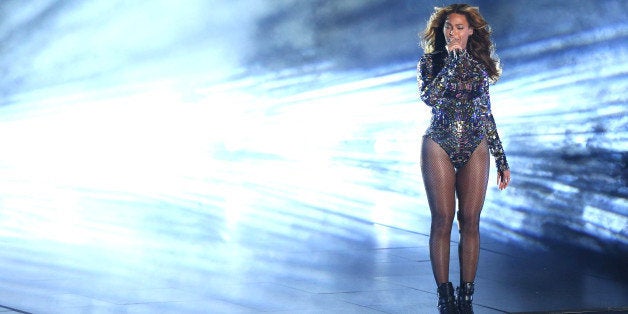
{"type": "Point", "coordinates": [456, 128]}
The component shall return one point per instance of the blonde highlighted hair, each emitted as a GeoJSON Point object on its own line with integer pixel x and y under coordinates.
{"type": "Point", "coordinates": [479, 44]}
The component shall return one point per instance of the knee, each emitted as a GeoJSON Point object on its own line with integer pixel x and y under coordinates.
{"type": "Point", "coordinates": [469, 222]}
{"type": "Point", "coordinates": [443, 221]}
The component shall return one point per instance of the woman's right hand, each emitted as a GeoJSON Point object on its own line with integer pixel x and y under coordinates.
{"type": "Point", "coordinates": [453, 45]}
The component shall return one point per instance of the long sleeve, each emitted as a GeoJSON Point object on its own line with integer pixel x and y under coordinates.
{"type": "Point", "coordinates": [432, 87]}
{"type": "Point", "coordinates": [452, 81]}
{"type": "Point", "coordinates": [490, 130]}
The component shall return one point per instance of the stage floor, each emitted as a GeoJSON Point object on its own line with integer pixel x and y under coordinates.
{"type": "Point", "coordinates": [344, 266]}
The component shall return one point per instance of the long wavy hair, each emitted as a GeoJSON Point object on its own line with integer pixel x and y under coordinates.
{"type": "Point", "coordinates": [479, 44]}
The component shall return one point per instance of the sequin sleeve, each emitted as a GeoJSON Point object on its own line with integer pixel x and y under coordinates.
{"type": "Point", "coordinates": [432, 88]}
{"type": "Point", "coordinates": [453, 81]}
{"type": "Point", "coordinates": [490, 129]}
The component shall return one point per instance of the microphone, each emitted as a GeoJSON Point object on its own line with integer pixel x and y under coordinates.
{"type": "Point", "coordinates": [454, 54]}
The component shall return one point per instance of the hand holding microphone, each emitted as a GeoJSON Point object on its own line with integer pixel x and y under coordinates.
{"type": "Point", "coordinates": [453, 47]}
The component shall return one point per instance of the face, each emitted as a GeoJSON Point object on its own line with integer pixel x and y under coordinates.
{"type": "Point", "coordinates": [457, 30]}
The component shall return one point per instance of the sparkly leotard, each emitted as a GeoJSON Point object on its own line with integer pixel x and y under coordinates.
{"type": "Point", "coordinates": [457, 90]}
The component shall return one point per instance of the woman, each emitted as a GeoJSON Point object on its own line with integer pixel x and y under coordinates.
{"type": "Point", "coordinates": [454, 76]}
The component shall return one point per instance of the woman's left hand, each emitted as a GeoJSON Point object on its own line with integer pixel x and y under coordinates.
{"type": "Point", "coordinates": [503, 179]}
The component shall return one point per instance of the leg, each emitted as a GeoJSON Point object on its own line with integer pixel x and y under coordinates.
{"type": "Point", "coordinates": [471, 182]}
{"type": "Point", "coordinates": [439, 179]}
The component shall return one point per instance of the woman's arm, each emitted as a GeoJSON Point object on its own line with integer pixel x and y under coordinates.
{"type": "Point", "coordinates": [494, 143]}
{"type": "Point", "coordinates": [459, 78]}
{"type": "Point", "coordinates": [433, 88]}
{"type": "Point", "coordinates": [490, 130]}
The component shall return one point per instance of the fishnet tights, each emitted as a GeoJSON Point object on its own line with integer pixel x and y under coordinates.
{"type": "Point", "coordinates": [442, 184]}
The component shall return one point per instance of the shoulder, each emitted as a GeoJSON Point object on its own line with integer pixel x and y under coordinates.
{"type": "Point", "coordinates": [433, 56]}
{"type": "Point", "coordinates": [478, 65]}
{"type": "Point", "coordinates": [432, 60]}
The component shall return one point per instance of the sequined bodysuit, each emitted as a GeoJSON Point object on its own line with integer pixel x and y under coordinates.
{"type": "Point", "coordinates": [457, 89]}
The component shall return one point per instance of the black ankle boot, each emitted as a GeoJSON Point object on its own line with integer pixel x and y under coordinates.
{"type": "Point", "coordinates": [446, 299]}
{"type": "Point", "coordinates": [465, 298]}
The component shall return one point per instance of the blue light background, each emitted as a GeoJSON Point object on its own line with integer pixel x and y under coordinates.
{"type": "Point", "coordinates": [132, 123]}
